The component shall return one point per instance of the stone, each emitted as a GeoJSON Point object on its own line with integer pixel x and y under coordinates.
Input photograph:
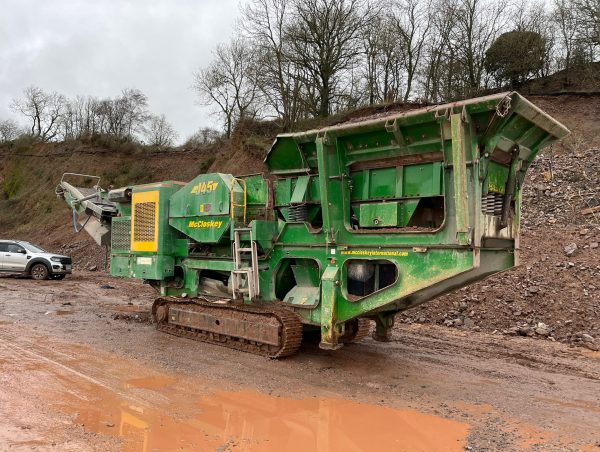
{"type": "Point", "coordinates": [593, 245]}
{"type": "Point", "coordinates": [524, 330]}
{"type": "Point", "coordinates": [93, 268]}
{"type": "Point", "coordinates": [542, 329]}
{"type": "Point", "coordinates": [587, 338]}
{"type": "Point", "coordinates": [570, 249]}
{"type": "Point", "coordinates": [584, 232]}
{"type": "Point", "coordinates": [468, 323]}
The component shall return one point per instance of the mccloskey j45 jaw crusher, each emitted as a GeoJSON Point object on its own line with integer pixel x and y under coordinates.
{"type": "Point", "coordinates": [351, 224]}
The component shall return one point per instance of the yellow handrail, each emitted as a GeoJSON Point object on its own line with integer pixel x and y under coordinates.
{"type": "Point", "coordinates": [242, 183]}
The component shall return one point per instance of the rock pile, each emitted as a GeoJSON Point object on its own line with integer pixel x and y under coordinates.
{"type": "Point", "coordinates": [561, 188]}
{"type": "Point", "coordinates": [555, 293]}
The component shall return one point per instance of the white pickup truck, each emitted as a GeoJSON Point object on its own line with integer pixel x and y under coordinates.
{"type": "Point", "coordinates": [17, 256]}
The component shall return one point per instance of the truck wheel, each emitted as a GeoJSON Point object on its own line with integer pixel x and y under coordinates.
{"type": "Point", "coordinates": [39, 272]}
{"type": "Point", "coordinates": [58, 277]}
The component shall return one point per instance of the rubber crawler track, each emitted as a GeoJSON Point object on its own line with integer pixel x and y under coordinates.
{"type": "Point", "coordinates": [290, 331]}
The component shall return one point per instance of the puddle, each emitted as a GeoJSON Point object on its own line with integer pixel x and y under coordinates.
{"type": "Point", "coordinates": [101, 394]}
{"type": "Point", "coordinates": [150, 382]}
{"type": "Point", "coordinates": [252, 421]}
{"type": "Point", "coordinates": [264, 422]}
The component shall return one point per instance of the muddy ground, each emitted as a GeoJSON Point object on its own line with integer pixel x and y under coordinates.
{"type": "Point", "coordinates": [81, 369]}
{"type": "Point", "coordinates": [509, 363]}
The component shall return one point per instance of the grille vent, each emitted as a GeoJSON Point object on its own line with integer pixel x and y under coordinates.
{"type": "Point", "coordinates": [491, 204]}
{"type": "Point", "coordinates": [121, 234]}
{"type": "Point", "coordinates": [144, 225]}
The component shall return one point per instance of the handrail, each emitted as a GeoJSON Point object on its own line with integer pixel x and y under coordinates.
{"type": "Point", "coordinates": [242, 183]}
{"type": "Point", "coordinates": [89, 176]}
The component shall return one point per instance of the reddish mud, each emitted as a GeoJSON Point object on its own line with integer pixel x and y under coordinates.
{"type": "Point", "coordinates": [166, 412]}
{"type": "Point", "coordinates": [94, 380]}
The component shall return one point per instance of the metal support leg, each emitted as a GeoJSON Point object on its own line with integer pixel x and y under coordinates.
{"type": "Point", "coordinates": [330, 332]}
{"type": "Point", "coordinates": [383, 327]}
{"type": "Point", "coordinates": [460, 145]}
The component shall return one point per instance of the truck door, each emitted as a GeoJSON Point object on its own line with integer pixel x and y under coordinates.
{"type": "Point", "coordinates": [15, 258]}
{"type": "Point", "coordinates": [3, 251]}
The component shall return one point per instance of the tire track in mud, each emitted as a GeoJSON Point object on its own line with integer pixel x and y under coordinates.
{"type": "Point", "coordinates": [87, 365]}
{"type": "Point", "coordinates": [525, 353]}
{"type": "Point", "coordinates": [19, 351]}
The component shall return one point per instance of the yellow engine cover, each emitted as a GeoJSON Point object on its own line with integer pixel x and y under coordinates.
{"type": "Point", "coordinates": [144, 221]}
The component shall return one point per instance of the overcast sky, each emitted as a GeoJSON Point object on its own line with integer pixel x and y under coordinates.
{"type": "Point", "coordinates": [98, 47]}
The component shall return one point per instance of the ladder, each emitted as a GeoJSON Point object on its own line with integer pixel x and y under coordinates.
{"type": "Point", "coordinates": [244, 278]}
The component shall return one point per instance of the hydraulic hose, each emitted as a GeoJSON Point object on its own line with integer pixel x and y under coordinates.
{"type": "Point", "coordinates": [75, 221]}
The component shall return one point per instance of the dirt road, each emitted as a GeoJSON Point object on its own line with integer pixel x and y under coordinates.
{"type": "Point", "coordinates": [80, 369]}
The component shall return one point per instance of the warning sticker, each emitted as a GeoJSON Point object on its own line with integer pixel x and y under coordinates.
{"type": "Point", "coordinates": [371, 253]}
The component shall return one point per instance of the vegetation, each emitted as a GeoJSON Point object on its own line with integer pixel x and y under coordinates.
{"type": "Point", "coordinates": [516, 57]}
{"type": "Point", "coordinates": [53, 117]}
{"type": "Point", "coordinates": [292, 60]}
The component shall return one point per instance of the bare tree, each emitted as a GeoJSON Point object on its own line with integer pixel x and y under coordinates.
{"type": "Point", "coordinates": [9, 130]}
{"type": "Point", "coordinates": [44, 110]}
{"type": "Point", "coordinates": [439, 54]}
{"type": "Point", "coordinates": [230, 83]}
{"type": "Point", "coordinates": [372, 43]}
{"type": "Point", "coordinates": [160, 132]}
{"type": "Point", "coordinates": [478, 23]}
{"type": "Point", "coordinates": [204, 136]}
{"type": "Point", "coordinates": [566, 23]}
{"type": "Point", "coordinates": [324, 37]}
{"type": "Point", "coordinates": [412, 23]}
{"type": "Point", "coordinates": [588, 22]}
{"type": "Point", "coordinates": [127, 113]}
{"type": "Point", "coordinates": [390, 60]}
{"type": "Point", "coordinates": [264, 23]}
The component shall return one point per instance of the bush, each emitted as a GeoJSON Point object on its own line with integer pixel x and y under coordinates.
{"type": "Point", "coordinates": [516, 56]}
{"type": "Point", "coordinates": [12, 183]}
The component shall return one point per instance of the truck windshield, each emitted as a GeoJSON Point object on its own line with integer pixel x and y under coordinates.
{"type": "Point", "coordinates": [32, 248]}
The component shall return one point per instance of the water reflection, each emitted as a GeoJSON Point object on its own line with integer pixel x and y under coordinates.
{"type": "Point", "coordinates": [250, 421]}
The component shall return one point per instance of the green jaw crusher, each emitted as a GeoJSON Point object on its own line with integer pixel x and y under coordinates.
{"type": "Point", "coordinates": [351, 224]}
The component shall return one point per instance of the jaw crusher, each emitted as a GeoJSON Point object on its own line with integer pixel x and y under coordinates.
{"type": "Point", "coordinates": [350, 225]}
